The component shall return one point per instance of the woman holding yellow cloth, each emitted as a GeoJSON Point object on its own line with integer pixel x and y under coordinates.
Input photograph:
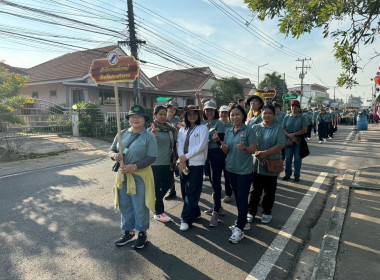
{"type": "Point", "coordinates": [135, 195]}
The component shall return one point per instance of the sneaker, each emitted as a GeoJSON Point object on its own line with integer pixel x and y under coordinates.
{"type": "Point", "coordinates": [127, 237]}
{"type": "Point", "coordinates": [237, 235]}
{"type": "Point", "coordinates": [285, 178]}
{"type": "Point", "coordinates": [246, 227]}
{"type": "Point", "coordinates": [206, 178]}
{"type": "Point", "coordinates": [250, 218]}
{"type": "Point", "coordinates": [211, 210]}
{"type": "Point", "coordinates": [296, 179]}
{"type": "Point", "coordinates": [162, 218]}
{"type": "Point", "coordinates": [320, 142]}
{"type": "Point", "coordinates": [266, 219]}
{"type": "Point", "coordinates": [226, 199]}
{"type": "Point", "coordinates": [184, 226]}
{"type": "Point", "coordinates": [141, 240]}
{"type": "Point", "coordinates": [171, 195]}
{"type": "Point", "coordinates": [214, 219]}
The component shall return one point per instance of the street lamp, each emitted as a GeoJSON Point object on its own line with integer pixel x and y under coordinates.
{"type": "Point", "coordinates": [258, 73]}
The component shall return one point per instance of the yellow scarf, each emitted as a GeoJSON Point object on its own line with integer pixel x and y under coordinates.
{"type": "Point", "coordinates": [147, 175]}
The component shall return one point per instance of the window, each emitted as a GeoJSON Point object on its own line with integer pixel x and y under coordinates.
{"type": "Point", "coordinates": [107, 97]}
{"type": "Point", "coordinates": [78, 96]}
{"type": "Point", "coordinates": [190, 101]}
{"type": "Point", "coordinates": [53, 93]}
{"type": "Point", "coordinates": [34, 94]}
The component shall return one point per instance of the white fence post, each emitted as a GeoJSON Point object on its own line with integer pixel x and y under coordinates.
{"type": "Point", "coordinates": [75, 121]}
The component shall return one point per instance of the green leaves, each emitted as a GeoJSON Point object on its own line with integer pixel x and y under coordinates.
{"type": "Point", "coordinates": [227, 90]}
{"type": "Point", "coordinates": [298, 17]}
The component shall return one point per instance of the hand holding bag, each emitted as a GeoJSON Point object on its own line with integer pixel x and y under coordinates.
{"type": "Point", "coordinates": [273, 165]}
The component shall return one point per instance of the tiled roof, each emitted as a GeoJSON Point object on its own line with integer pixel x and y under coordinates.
{"type": "Point", "coordinates": [71, 65]}
{"type": "Point", "coordinates": [13, 69]}
{"type": "Point", "coordinates": [182, 80]}
{"type": "Point", "coordinates": [247, 85]}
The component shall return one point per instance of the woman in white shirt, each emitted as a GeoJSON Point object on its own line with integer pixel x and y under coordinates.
{"type": "Point", "coordinates": [192, 144]}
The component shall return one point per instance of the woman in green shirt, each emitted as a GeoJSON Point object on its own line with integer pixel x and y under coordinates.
{"type": "Point", "coordinates": [271, 140]}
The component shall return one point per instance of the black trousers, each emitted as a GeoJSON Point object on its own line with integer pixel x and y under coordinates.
{"type": "Point", "coordinates": [322, 130]}
{"type": "Point", "coordinates": [163, 177]}
{"type": "Point", "coordinates": [261, 183]}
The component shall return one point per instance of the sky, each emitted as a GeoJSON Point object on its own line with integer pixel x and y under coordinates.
{"type": "Point", "coordinates": [179, 34]}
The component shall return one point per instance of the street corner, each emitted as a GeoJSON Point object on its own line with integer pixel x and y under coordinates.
{"type": "Point", "coordinates": [367, 178]}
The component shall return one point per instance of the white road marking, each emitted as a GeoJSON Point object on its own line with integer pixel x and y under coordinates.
{"type": "Point", "coordinates": [331, 162]}
{"type": "Point", "coordinates": [349, 135]}
{"type": "Point", "coordinates": [271, 255]}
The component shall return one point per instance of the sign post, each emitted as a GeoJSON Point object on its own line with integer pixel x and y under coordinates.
{"type": "Point", "coordinates": [115, 69]}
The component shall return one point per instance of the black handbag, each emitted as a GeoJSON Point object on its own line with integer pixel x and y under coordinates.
{"type": "Point", "coordinates": [304, 148]}
{"type": "Point", "coordinates": [116, 166]}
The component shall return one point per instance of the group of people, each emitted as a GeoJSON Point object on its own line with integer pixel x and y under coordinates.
{"type": "Point", "coordinates": [247, 147]}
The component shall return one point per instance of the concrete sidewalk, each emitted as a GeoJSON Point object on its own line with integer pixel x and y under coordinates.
{"type": "Point", "coordinates": [351, 244]}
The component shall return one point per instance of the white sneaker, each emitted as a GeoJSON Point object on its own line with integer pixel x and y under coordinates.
{"type": "Point", "coordinates": [206, 178]}
{"type": "Point", "coordinates": [320, 142]}
{"type": "Point", "coordinates": [266, 219]}
{"type": "Point", "coordinates": [237, 235]}
{"type": "Point", "coordinates": [250, 218]}
{"type": "Point", "coordinates": [184, 226]}
{"type": "Point", "coordinates": [162, 218]}
{"type": "Point", "coordinates": [226, 199]}
{"type": "Point", "coordinates": [246, 227]}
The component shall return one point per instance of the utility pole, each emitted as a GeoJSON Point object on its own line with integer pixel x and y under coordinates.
{"type": "Point", "coordinates": [133, 44]}
{"type": "Point", "coordinates": [302, 74]}
{"type": "Point", "coordinates": [334, 94]}
{"type": "Point", "coordinates": [258, 73]}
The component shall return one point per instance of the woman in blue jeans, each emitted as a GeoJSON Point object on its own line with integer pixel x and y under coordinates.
{"type": "Point", "coordinates": [295, 126]}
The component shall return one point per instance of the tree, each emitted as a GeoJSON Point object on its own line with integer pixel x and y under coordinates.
{"type": "Point", "coordinates": [275, 81]}
{"type": "Point", "coordinates": [354, 101]}
{"type": "Point", "coordinates": [10, 85]}
{"type": "Point", "coordinates": [299, 17]}
{"type": "Point", "coordinates": [227, 90]}
{"type": "Point", "coordinates": [319, 100]}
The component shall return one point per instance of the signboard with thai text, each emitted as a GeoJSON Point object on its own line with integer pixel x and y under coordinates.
{"type": "Point", "coordinates": [114, 69]}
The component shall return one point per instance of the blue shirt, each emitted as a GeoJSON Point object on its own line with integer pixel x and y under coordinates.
{"type": "Point", "coordinates": [163, 148]}
{"type": "Point", "coordinates": [238, 161]}
{"type": "Point", "coordinates": [215, 125]}
{"type": "Point", "coordinates": [268, 137]}
{"type": "Point", "coordinates": [174, 120]}
{"type": "Point", "coordinates": [255, 120]}
{"type": "Point", "coordinates": [294, 123]}
{"type": "Point", "coordinates": [144, 146]}
{"type": "Point", "coordinates": [280, 117]}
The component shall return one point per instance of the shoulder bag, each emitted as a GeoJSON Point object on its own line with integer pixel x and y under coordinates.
{"type": "Point", "coordinates": [116, 166]}
{"type": "Point", "coordinates": [273, 165]}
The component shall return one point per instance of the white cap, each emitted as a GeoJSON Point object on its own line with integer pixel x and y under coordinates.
{"type": "Point", "coordinates": [224, 108]}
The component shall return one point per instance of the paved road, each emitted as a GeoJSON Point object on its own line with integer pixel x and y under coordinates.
{"type": "Point", "coordinates": [57, 222]}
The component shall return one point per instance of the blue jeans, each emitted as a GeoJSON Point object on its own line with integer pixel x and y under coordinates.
{"type": "Point", "coordinates": [191, 188]}
{"type": "Point", "coordinates": [291, 152]}
{"type": "Point", "coordinates": [241, 185]}
{"type": "Point", "coordinates": [214, 165]}
{"type": "Point", "coordinates": [134, 212]}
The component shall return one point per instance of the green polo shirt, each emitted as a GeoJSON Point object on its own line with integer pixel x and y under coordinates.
{"type": "Point", "coordinates": [255, 120]}
{"type": "Point", "coordinates": [238, 161]}
{"type": "Point", "coordinates": [227, 125]}
{"type": "Point", "coordinates": [294, 123]}
{"type": "Point", "coordinates": [267, 137]}
{"type": "Point", "coordinates": [328, 117]}
{"type": "Point", "coordinates": [163, 148]}
{"type": "Point", "coordinates": [144, 146]}
{"type": "Point", "coordinates": [279, 117]}
{"type": "Point", "coordinates": [214, 125]}
{"type": "Point", "coordinates": [315, 115]}
{"type": "Point", "coordinates": [174, 120]}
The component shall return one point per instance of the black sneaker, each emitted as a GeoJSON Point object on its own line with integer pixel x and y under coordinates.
{"type": "Point", "coordinates": [296, 179]}
{"type": "Point", "coordinates": [141, 240]}
{"type": "Point", "coordinates": [285, 178]}
{"type": "Point", "coordinates": [127, 237]}
{"type": "Point", "coordinates": [171, 195]}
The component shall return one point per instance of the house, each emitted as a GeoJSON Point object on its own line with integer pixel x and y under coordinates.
{"type": "Point", "coordinates": [249, 88]}
{"type": "Point", "coordinates": [65, 81]}
{"type": "Point", "coordinates": [16, 70]}
{"type": "Point", "coordinates": [313, 91]}
{"type": "Point", "coordinates": [182, 84]}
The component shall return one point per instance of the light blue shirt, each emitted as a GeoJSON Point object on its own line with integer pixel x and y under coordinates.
{"type": "Point", "coordinates": [280, 117]}
{"type": "Point", "coordinates": [144, 146]}
{"type": "Point", "coordinates": [214, 125]}
{"type": "Point", "coordinates": [238, 161]}
{"type": "Point", "coordinates": [163, 148]}
{"type": "Point", "coordinates": [294, 123]}
{"type": "Point", "coordinates": [268, 137]}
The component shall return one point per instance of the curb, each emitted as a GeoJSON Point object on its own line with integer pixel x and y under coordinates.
{"type": "Point", "coordinates": [324, 268]}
